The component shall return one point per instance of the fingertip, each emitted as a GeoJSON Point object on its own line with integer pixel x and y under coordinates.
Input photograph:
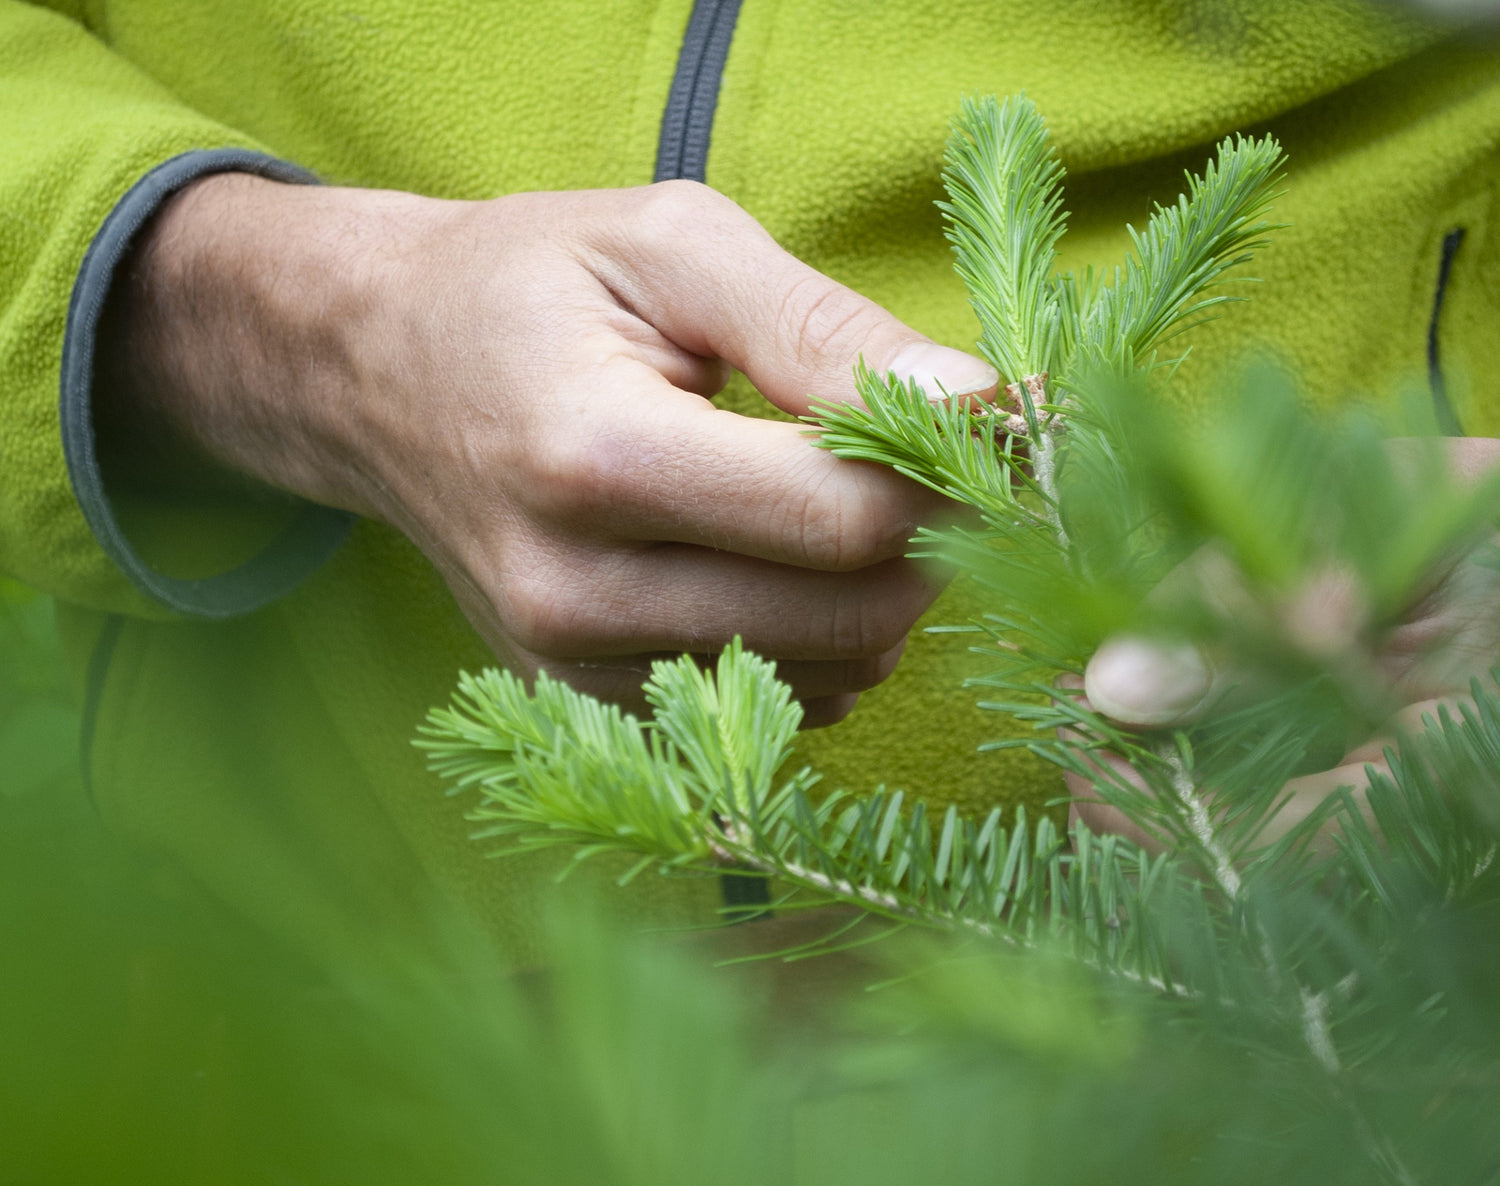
{"type": "Point", "coordinates": [944, 373]}
{"type": "Point", "coordinates": [1147, 683]}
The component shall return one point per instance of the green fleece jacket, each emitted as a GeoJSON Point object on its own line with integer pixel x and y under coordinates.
{"type": "Point", "coordinates": [253, 673]}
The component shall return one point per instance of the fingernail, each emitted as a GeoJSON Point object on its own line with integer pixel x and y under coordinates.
{"type": "Point", "coordinates": [1144, 682]}
{"type": "Point", "coordinates": [941, 371]}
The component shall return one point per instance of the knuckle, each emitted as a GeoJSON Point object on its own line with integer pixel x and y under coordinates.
{"type": "Point", "coordinates": [669, 210]}
{"type": "Point", "coordinates": [825, 322]}
{"type": "Point", "coordinates": [883, 666]}
{"type": "Point", "coordinates": [578, 476]}
{"type": "Point", "coordinates": [840, 527]}
{"type": "Point", "coordinates": [576, 602]}
{"type": "Point", "coordinates": [819, 527]}
{"type": "Point", "coordinates": [538, 615]}
{"type": "Point", "coordinates": [866, 624]}
{"type": "Point", "coordinates": [869, 540]}
{"type": "Point", "coordinates": [860, 675]}
{"type": "Point", "coordinates": [548, 611]}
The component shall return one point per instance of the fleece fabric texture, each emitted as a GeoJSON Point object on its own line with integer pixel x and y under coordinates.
{"type": "Point", "coordinates": [296, 543]}
{"type": "Point", "coordinates": [271, 754]}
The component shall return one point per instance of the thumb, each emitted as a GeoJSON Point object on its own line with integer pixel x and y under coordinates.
{"type": "Point", "coordinates": [704, 273]}
{"type": "Point", "coordinates": [1148, 683]}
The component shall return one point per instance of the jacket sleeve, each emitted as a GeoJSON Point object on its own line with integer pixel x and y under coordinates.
{"type": "Point", "coordinates": [89, 148]}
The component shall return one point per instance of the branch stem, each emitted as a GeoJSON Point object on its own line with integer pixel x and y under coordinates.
{"type": "Point", "coordinates": [731, 850]}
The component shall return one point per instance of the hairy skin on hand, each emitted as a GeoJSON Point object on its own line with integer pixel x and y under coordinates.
{"type": "Point", "coordinates": [521, 386]}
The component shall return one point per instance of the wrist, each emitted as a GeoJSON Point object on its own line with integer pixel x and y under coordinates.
{"type": "Point", "coordinates": [238, 330]}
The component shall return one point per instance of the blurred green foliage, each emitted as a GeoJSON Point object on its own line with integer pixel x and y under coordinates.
{"type": "Point", "coordinates": [38, 720]}
{"type": "Point", "coordinates": [146, 1036]}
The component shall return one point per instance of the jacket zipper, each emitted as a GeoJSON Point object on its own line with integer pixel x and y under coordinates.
{"type": "Point", "coordinates": [688, 121]}
{"type": "Point", "coordinates": [1442, 406]}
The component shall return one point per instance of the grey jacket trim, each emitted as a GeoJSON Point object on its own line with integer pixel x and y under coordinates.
{"type": "Point", "coordinates": [313, 535]}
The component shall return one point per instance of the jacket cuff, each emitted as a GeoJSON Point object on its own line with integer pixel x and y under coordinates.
{"type": "Point", "coordinates": [309, 534]}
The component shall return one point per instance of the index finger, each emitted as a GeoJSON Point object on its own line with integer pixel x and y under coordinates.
{"type": "Point", "coordinates": [666, 465]}
{"type": "Point", "coordinates": [702, 271]}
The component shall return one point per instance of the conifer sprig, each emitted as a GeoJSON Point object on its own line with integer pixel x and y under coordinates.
{"type": "Point", "coordinates": [1005, 219]}
{"type": "Point", "coordinates": [1086, 501]}
{"type": "Point", "coordinates": [558, 767]}
{"type": "Point", "coordinates": [898, 427]}
{"type": "Point", "coordinates": [1186, 247]}
{"type": "Point", "coordinates": [1046, 332]}
{"type": "Point", "coordinates": [694, 789]}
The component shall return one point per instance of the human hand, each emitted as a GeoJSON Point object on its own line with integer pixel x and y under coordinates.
{"type": "Point", "coordinates": [520, 386]}
{"type": "Point", "coordinates": [1449, 636]}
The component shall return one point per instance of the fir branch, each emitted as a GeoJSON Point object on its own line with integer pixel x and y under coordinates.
{"type": "Point", "coordinates": [1005, 219]}
{"type": "Point", "coordinates": [693, 790]}
{"type": "Point", "coordinates": [1279, 937]}
{"type": "Point", "coordinates": [951, 446]}
{"type": "Point", "coordinates": [559, 768]}
{"type": "Point", "coordinates": [1186, 247]}
{"type": "Point", "coordinates": [733, 730]}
